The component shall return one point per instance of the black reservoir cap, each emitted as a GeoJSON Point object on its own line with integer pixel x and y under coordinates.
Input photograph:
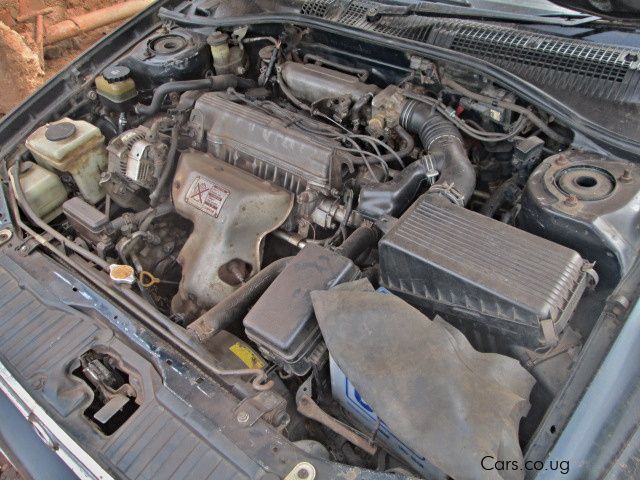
{"type": "Point", "coordinates": [59, 131]}
{"type": "Point", "coordinates": [116, 73]}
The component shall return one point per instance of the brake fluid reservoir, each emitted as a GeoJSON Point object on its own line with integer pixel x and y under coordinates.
{"type": "Point", "coordinates": [72, 146]}
{"type": "Point", "coordinates": [116, 89]}
{"type": "Point", "coordinates": [226, 59]}
{"type": "Point", "coordinates": [219, 43]}
{"type": "Point", "coordinates": [43, 191]}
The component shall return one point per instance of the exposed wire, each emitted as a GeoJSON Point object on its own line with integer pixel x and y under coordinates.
{"type": "Point", "coordinates": [315, 128]}
{"type": "Point", "coordinates": [490, 137]}
{"type": "Point", "coordinates": [532, 117]}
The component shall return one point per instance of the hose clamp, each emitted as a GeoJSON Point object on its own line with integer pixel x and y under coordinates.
{"type": "Point", "coordinates": [430, 168]}
{"type": "Point", "coordinates": [449, 192]}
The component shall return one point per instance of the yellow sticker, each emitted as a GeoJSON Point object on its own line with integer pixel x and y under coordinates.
{"type": "Point", "coordinates": [248, 357]}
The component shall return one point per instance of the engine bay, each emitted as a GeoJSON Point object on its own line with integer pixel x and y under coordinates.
{"type": "Point", "coordinates": [389, 258]}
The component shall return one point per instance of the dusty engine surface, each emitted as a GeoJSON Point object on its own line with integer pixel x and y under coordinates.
{"type": "Point", "coordinates": [450, 267]}
{"type": "Point", "coordinates": [231, 212]}
{"type": "Point", "coordinates": [289, 211]}
{"type": "Point", "coordinates": [267, 147]}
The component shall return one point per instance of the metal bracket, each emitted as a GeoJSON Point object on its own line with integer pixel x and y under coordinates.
{"type": "Point", "coordinates": [310, 409]}
{"type": "Point", "coordinates": [448, 191]}
{"type": "Point", "coordinates": [432, 173]}
{"type": "Point", "coordinates": [265, 404]}
{"type": "Point", "coordinates": [31, 243]}
{"type": "Point", "coordinates": [5, 216]}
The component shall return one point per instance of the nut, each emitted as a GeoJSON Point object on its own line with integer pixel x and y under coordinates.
{"type": "Point", "coordinates": [571, 201]}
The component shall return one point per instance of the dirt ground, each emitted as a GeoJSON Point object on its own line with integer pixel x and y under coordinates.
{"type": "Point", "coordinates": [21, 69]}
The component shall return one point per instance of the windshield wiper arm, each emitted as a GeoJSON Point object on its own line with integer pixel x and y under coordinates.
{"type": "Point", "coordinates": [462, 8]}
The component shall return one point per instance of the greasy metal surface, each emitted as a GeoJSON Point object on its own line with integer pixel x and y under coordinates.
{"type": "Point", "coordinates": [310, 409]}
{"type": "Point", "coordinates": [165, 56]}
{"type": "Point", "coordinates": [39, 340]}
{"type": "Point", "coordinates": [231, 212]}
{"type": "Point", "coordinates": [48, 432]}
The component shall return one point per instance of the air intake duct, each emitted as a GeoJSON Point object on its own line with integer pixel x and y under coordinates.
{"type": "Point", "coordinates": [447, 158]}
{"type": "Point", "coordinates": [443, 142]}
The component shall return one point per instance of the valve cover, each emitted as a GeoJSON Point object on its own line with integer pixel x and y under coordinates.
{"type": "Point", "coordinates": [266, 146]}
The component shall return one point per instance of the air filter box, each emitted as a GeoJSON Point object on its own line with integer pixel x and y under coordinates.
{"type": "Point", "coordinates": [499, 285]}
{"type": "Point", "coordinates": [282, 321]}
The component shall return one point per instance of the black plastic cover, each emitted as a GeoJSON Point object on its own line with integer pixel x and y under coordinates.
{"type": "Point", "coordinates": [179, 54]}
{"type": "Point", "coordinates": [282, 321]}
{"type": "Point", "coordinates": [483, 276]}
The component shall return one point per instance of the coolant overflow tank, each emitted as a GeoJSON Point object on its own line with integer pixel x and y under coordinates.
{"type": "Point", "coordinates": [232, 211]}
{"type": "Point", "coordinates": [75, 147]}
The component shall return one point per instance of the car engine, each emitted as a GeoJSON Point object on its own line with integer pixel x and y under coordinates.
{"type": "Point", "coordinates": [369, 248]}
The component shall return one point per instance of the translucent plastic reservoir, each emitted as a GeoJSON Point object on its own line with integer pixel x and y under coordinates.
{"type": "Point", "coordinates": [73, 146]}
{"type": "Point", "coordinates": [43, 190]}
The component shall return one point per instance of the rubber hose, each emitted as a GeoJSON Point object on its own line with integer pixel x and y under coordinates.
{"type": "Point", "coordinates": [361, 239]}
{"type": "Point", "coordinates": [218, 82]}
{"type": "Point", "coordinates": [233, 307]}
{"type": "Point", "coordinates": [498, 197]}
{"type": "Point", "coordinates": [154, 196]}
{"type": "Point", "coordinates": [393, 197]}
{"type": "Point", "coordinates": [443, 142]}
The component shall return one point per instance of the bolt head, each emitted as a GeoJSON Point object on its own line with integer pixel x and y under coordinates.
{"type": "Point", "coordinates": [571, 200]}
{"type": "Point", "coordinates": [626, 176]}
{"type": "Point", "coordinates": [562, 160]}
{"type": "Point", "coordinates": [243, 417]}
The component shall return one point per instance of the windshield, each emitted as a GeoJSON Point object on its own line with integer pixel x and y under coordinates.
{"type": "Point", "coordinates": [612, 8]}
{"type": "Point", "coordinates": [531, 7]}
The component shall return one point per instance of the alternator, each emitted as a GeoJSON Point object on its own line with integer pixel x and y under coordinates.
{"type": "Point", "coordinates": [132, 155]}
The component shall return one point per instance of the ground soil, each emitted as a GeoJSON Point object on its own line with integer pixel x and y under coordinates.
{"type": "Point", "coordinates": [21, 69]}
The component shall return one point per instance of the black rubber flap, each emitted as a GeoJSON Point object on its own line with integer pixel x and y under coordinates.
{"type": "Point", "coordinates": [441, 397]}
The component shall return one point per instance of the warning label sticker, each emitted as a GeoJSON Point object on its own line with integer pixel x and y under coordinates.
{"type": "Point", "coordinates": [207, 196]}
